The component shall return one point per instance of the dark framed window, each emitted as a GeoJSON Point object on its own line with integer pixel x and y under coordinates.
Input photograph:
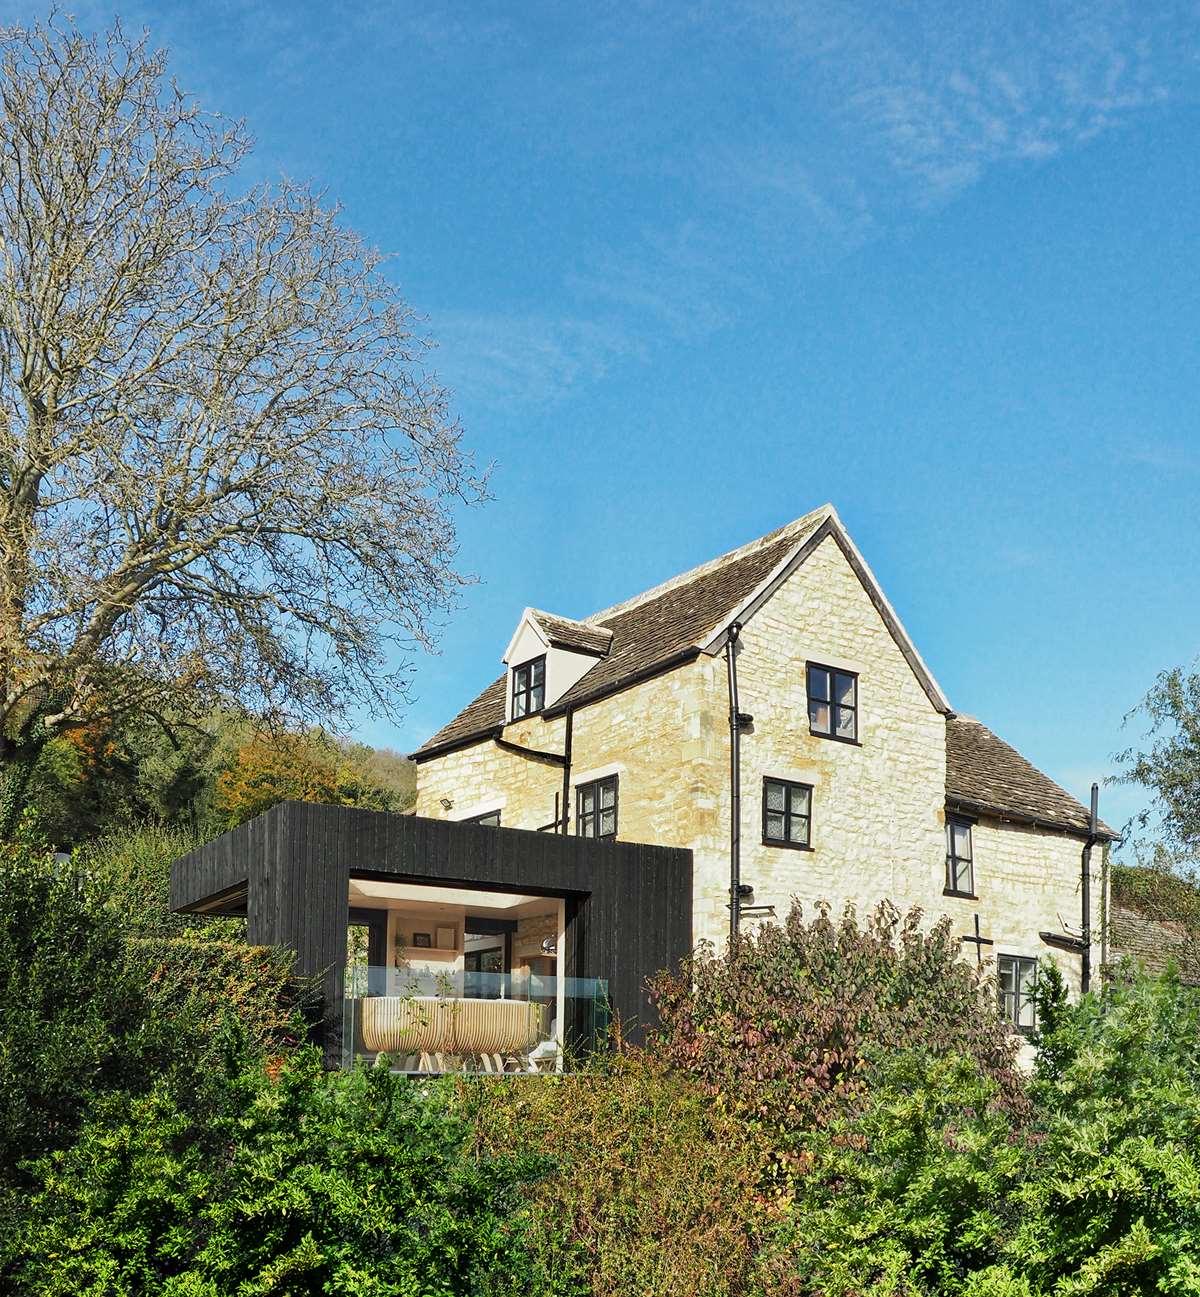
{"type": "Point", "coordinates": [596, 808]}
{"type": "Point", "coordinates": [787, 814]}
{"type": "Point", "coordinates": [1016, 975]}
{"type": "Point", "coordinates": [490, 819]}
{"type": "Point", "coordinates": [960, 858]}
{"type": "Point", "coordinates": [529, 687]}
{"type": "Point", "coordinates": [832, 703]}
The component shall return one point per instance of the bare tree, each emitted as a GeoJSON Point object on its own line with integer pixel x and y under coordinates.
{"type": "Point", "coordinates": [224, 474]}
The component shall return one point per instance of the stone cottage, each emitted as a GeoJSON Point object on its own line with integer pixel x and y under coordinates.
{"type": "Point", "coordinates": [778, 680]}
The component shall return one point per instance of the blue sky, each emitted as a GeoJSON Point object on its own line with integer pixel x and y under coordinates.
{"type": "Point", "coordinates": [697, 268]}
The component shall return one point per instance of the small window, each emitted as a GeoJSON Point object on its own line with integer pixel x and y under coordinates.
{"type": "Point", "coordinates": [529, 688]}
{"type": "Point", "coordinates": [787, 813]}
{"type": "Point", "coordinates": [490, 819]}
{"type": "Point", "coordinates": [596, 808]}
{"type": "Point", "coordinates": [832, 703]}
{"type": "Point", "coordinates": [960, 862]}
{"type": "Point", "coordinates": [1017, 974]}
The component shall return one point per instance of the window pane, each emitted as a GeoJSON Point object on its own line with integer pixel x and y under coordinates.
{"type": "Point", "coordinates": [587, 799]}
{"type": "Point", "coordinates": [608, 794]}
{"type": "Point", "coordinates": [775, 827]}
{"type": "Point", "coordinates": [520, 705]}
{"type": "Point", "coordinates": [798, 829]}
{"type": "Point", "coordinates": [799, 800]}
{"type": "Point", "coordinates": [962, 840]}
{"type": "Point", "coordinates": [608, 823]}
{"type": "Point", "coordinates": [844, 686]}
{"type": "Point", "coordinates": [774, 796]}
{"type": "Point", "coordinates": [845, 723]}
{"type": "Point", "coordinates": [818, 683]}
{"type": "Point", "coordinates": [537, 671]}
{"type": "Point", "coordinates": [818, 717]}
{"type": "Point", "coordinates": [538, 700]}
{"type": "Point", "coordinates": [963, 880]}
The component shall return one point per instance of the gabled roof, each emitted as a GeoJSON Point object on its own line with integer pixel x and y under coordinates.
{"type": "Point", "coordinates": [683, 617]}
{"type": "Point", "coordinates": [984, 775]}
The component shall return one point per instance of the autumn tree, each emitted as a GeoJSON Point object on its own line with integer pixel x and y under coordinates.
{"type": "Point", "coordinates": [226, 477]}
{"type": "Point", "coordinates": [312, 767]}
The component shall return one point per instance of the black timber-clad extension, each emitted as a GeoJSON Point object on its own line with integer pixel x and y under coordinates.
{"type": "Point", "coordinates": [628, 906]}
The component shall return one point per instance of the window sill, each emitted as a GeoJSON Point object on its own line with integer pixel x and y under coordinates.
{"type": "Point", "coordinates": [835, 738]}
{"type": "Point", "coordinates": [963, 896]}
{"type": "Point", "coordinates": [787, 846]}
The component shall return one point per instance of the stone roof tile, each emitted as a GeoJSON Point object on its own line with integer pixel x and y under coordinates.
{"type": "Point", "coordinates": [983, 773]}
{"type": "Point", "coordinates": [649, 631]}
{"type": "Point", "coordinates": [581, 636]}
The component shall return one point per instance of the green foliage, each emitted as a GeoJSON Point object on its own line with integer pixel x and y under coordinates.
{"type": "Point", "coordinates": [655, 1191]}
{"type": "Point", "coordinates": [1167, 766]}
{"type": "Point", "coordinates": [131, 870]}
{"type": "Point", "coordinates": [934, 1189]}
{"type": "Point", "coordinates": [86, 1010]}
{"type": "Point", "coordinates": [352, 1183]}
{"type": "Point", "coordinates": [786, 1031]}
{"type": "Point", "coordinates": [1157, 893]}
{"type": "Point", "coordinates": [1113, 1201]}
{"type": "Point", "coordinates": [198, 777]}
{"type": "Point", "coordinates": [210, 985]}
{"type": "Point", "coordinates": [913, 1193]}
{"type": "Point", "coordinates": [72, 1008]}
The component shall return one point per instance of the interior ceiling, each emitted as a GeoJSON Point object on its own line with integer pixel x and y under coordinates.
{"type": "Point", "coordinates": [370, 891]}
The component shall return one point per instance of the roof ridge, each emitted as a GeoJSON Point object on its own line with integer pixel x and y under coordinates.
{"type": "Point", "coordinates": [796, 526]}
{"type": "Point", "coordinates": [590, 622]}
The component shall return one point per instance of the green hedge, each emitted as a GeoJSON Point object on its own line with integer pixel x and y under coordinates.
{"type": "Point", "coordinates": [210, 983]}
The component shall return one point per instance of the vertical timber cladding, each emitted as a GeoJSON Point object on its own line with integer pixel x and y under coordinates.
{"type": "Point", "coordinates": [628, 906]}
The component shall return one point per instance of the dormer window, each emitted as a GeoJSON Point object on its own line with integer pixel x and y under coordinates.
{"type": "Point", "coordinates": [529, 687]}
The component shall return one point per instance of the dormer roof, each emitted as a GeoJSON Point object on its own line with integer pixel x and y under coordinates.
{"type": "Point", "coordinates": [578, 636]}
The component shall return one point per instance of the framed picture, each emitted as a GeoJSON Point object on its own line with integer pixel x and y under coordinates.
{"type": "Point", "coordinates": [447, 938]}
{"type": "Point", "coordinates": [422, 940]}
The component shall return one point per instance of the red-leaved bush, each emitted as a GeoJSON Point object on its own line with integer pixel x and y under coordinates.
{"type": "Point", "coordinates": [784, 1030]}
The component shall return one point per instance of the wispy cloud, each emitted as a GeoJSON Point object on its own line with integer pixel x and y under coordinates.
{"type": "Point", "coordinates": [943, 93]}
{"type": "Point", "coordinates": [1160, 456]}
{"type": "Point", "coordinates": [526, 360]}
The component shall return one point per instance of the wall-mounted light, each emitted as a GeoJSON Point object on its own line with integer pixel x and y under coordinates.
{"type": "Point", "coordinates": [549, 946]}
{"type": "Point", "coordinates": [447, 803]}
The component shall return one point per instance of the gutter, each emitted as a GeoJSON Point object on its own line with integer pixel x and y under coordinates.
{"type": "Point", "coordinates": [561, 708]}
{"type": "Point", "coordinates": [963, 806]}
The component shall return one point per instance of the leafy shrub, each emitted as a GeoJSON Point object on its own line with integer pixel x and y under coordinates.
{"type": "Point", "coordinates": [85, 1011]}
{"type": "Point", "coordinates": [356, 1183]}
{"type": "Point", "coordinates": [933, 1189]}
{"type": "Point", "coordinates": [1112, 1199]}
{"type": "Point", "coordinates": [785, 1031]}
{"type": "Point", "coordinates": [131, 868]}
{"type": "Point", "coordinates": [207, 985]}
{"type": "Point", "coordinates": [653, 1192]}
{"type": "Point", "coordinates": [911, 1194]}
{"type": "Point", "coordinates": [72, 1008]}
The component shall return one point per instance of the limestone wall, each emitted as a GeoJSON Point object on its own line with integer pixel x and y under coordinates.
{"type": "Point", "coordinates": [878, 827]}
{"type": "Point", "coordinates": [877, 822]}
{"type": "Point", "coordinates": [643, 735]}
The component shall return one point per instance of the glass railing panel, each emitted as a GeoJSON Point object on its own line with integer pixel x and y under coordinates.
{"type": "Point", "coordinates": [466, 1021]}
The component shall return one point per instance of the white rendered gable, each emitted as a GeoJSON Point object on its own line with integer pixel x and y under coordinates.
{"type": "Point", "coordinates": [564, 667]}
